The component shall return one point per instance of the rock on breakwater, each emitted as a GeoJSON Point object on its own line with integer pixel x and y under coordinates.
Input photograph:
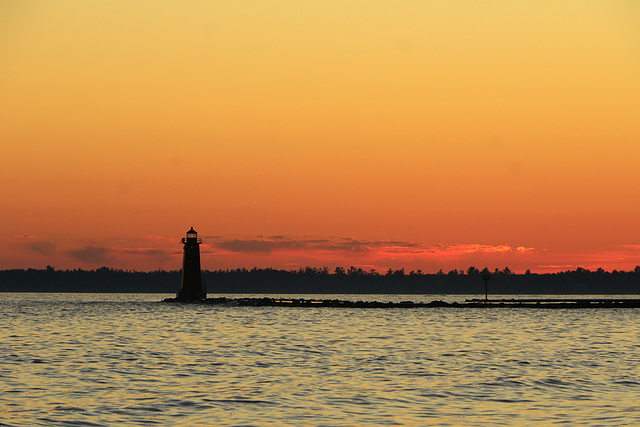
{"type": "Point", "coordinates": [473, 303]}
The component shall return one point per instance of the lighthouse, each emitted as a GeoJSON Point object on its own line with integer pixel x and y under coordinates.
{"type": "Point", "coordinates": [191, 285]}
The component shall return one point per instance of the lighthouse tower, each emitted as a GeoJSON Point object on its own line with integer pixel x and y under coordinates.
{"type": "Point", "coordinates": [191, 286]}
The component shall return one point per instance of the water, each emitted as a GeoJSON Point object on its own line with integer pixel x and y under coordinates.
{"type": "Point", "coordinates": [113, 359]}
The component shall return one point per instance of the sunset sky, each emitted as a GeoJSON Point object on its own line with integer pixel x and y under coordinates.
{"type": "Point", "coordinates": [382, 134]}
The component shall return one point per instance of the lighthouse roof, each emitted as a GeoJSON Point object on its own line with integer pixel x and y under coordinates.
{"type": "Point", "coordinates": [192, 231]}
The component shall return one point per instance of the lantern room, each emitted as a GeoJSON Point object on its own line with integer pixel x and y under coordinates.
{"type": "Point", "coordinates": [192, 237]}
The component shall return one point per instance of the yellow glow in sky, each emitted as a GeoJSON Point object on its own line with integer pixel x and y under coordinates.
{"type": "Point", "coordinates": [436, 123]}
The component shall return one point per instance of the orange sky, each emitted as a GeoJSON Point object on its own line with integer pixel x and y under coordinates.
{"type": "Point", "coordinates": [412, 134]}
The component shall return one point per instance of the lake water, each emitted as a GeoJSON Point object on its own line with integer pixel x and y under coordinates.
{"type": "Point", "coordinates": [127, 359]}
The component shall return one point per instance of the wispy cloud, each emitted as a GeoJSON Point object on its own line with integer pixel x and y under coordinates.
{"type": "Point", "coordinates": [558, 267]}
{"type": "Point", "coordinates": [92, 254]}
{"type": "Point", "coordinates": [258, 245]}
{"type": "Point", "coordinates": [35, 245]}
{"type": "Point", "coordinates": [151, 252]}
{"type": "Point", "coordinates": [160, 255]}
{"type": "Point", "coordinates": [97, 254]}
{"type": "Point", "coordinates": [271, 244]}
{"type": "Point", "coordinates": [41, 247]}
{"type": "Point", "coordinates": [478, 248]}
{"type": "Point", "coordinates": [524, 250]}
{"type": "Point", "coordinates": [146, 251]}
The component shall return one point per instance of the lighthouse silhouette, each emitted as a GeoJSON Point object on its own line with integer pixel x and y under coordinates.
{"type": "Point", "coordinates": [191, 285]}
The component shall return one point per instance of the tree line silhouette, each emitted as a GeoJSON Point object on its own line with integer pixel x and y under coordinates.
{"type": "Point", "coordinates": [310, 280]}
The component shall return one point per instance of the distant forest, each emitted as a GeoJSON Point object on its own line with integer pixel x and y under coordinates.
{"type": "Point", "coordinates": [310, 280]}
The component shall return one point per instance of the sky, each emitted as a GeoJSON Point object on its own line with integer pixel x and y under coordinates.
{"type": "Point", "coordinates": [380, 134]}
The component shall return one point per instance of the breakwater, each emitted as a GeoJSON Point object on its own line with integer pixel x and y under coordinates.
{"type": "Point", "coordinates": [470, 303]}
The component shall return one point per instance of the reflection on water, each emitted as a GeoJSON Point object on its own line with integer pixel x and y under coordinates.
{"type": "Point", "coordinates": [105, 359]}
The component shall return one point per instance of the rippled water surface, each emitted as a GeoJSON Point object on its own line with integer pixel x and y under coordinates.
{"type": "Point", "coordinates": [105, 359]}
